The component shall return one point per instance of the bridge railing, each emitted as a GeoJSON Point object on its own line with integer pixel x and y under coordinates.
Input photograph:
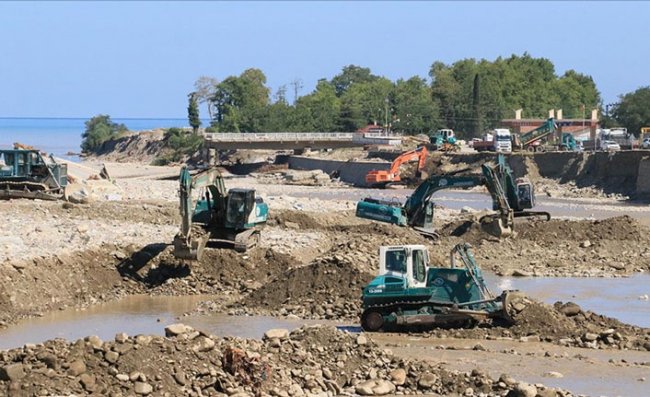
{"type": "Point", "coordinates": [278, 136]}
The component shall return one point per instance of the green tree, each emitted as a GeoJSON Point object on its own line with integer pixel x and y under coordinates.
{"type": "Point", "coordinates": [241, 102]}
{"type": "Point", "coordinates": [351, 75]}
{"type": "Point", "coordinates": [471, 103]}
{"type": "Point", "coordinates": [476, 102]}
{"type": "Point", "coordinates": [365, 103]}
{"type": "Point", "coordinates": [318, 111]}
{"type": "Point", "coordinates": [180, 143]}
{"type": "Point", "coordinates": [633, 110]}
{"type": "Point", "coordinates": [575, 90]}
{"type": "Point", "coordinates": [414, 110]}
{"type": "Point", "coordinates": [99, 129]}
{"type": "Point", "coordinates": [279, 115]}
{"type": "Point", "coordinates": [193, 112]}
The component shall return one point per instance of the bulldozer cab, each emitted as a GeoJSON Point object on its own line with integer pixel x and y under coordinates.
{"type": "Point", "coordinates": [19, 163]}
{"type": "Point", "coordinates": [409, 262]}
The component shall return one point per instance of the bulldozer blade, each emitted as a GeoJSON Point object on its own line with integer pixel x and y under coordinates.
{"type": "Point", "coordinates": [509, 299]}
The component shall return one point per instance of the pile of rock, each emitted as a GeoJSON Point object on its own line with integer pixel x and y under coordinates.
{"type": "Point", "coordinates": [310, 361]}
{"type": "Point", "coordinates": [298, 177]}
{"type": "Point", "coordinates": [564, 323]}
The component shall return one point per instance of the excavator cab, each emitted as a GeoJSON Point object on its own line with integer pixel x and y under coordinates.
{"type": "Point", "coordinates": [241, 202]}
{"type": "Point", "coordinates": [525, 194]}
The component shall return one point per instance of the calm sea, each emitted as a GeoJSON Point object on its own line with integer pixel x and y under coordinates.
{"type": "Point", "coordinates": [62, 135]}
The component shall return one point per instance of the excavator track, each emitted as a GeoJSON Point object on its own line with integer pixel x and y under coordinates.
{"type": "Point", "coordinates": [530, 214]}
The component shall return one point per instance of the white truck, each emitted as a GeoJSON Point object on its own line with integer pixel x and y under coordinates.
{"type": "Point", "coordinates": [607, 138]}
{"type": "Point", "coordinates": [498, 140]}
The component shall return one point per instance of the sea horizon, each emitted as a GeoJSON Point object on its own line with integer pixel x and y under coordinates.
{"type": "Point", "coordinates": [62, 135]}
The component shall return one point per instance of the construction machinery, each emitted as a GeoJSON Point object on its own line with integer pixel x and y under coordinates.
{"type": "Point", "coordinates": [511, 198]}
{"type": "Point", "coordinates": [444, 140]}
{"type": "Point", "coordinates": [531, 140]}
{"type": "Point", "coordinates": [25, 173]}
{"type": "Point", "coordinates": [409, 293]}
{"type": "Point", "coordinates": [497, 140]}
{"type": "Point", "coordinates": [232, 217]}
{"type": "Point", "coordinates": [384, 178]}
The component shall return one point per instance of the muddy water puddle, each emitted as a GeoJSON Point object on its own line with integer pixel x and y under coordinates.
{"type": "Point", "coordinates": [138, 315]}
{"type": "Point", "coordinates": [584, 371]}
{"type": "Point", "coordinates": [621, 298]}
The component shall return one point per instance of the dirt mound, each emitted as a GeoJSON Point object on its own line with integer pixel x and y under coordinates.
{"type": "Point", "coordinates": [313, 361]}
{"type": "Point", "coordinates": [219, 270]}
{"type": "Point", "coordinates": [297, 219]}
{"type": "Point", "coordinates": [325, 289]}
{"type": "Point", "coordinates": [563, 323]}
{"type": "Point", "coordinates": [623, 228]}
{"type": "Point", "coordinates": [584, 248]}
{"type": "Point", "coordinates": [79, 279]}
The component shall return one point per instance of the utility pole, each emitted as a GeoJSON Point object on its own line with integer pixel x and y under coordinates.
{"type": "Point", "coordinates": [386, 116]}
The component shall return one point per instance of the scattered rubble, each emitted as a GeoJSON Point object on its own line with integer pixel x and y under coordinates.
{"type": "Point", "coordinates": [298, 177]}
{"type": "Point", "coordinates": [563, 323]}
{"type": "Point", "coordinates": [315, 360]}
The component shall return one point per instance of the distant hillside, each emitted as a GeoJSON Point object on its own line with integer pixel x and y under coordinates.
{"type": "Point", "coordinates": [142, 146]}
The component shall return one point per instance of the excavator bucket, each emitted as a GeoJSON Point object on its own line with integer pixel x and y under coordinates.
{"type": "Point", "coordinates": [191, 249]}
{"type": "Point", "coordinates": [494, 225]}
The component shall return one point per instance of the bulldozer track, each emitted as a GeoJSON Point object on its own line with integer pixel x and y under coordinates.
{"type": "Point", "coordinates": [29, 186]}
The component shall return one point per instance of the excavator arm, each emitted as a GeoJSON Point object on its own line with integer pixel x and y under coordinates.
{"type": "Point", "coordinates": [417, 204]}
{"type": "Point", "coordinates": [383, 177]}
{"type": "Point", "coordinates": [500, 225]}
{"type": "Point", "coordinates": [189, 243]}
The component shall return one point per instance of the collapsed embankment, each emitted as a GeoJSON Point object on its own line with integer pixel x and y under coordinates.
{"type": "Point", "coordinates": [624, 173]}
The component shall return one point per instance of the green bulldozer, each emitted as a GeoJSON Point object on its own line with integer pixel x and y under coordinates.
{"type": "Point", "coordinates": [409, 293]}
{"type": "Point", "coordinates": [25, 173]}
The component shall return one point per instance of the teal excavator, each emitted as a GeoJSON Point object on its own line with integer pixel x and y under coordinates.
{"type": "Point", "coordinates": [232, 217]}
{"type": "Point", "coordinates": [511, 198]}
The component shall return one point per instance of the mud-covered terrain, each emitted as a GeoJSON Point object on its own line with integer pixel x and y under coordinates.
{"type": "Point", "coordinates": [314, 258]}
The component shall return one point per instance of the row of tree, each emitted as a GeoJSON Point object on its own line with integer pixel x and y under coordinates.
{"type": "Point", "coordinates": [469, 96]}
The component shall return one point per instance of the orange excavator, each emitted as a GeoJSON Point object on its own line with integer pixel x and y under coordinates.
{"type": "Point", "coordinates": [383, 178]}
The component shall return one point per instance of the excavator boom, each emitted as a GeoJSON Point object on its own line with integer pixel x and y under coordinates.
{"type": "Point", "coordinates": [190, 242]}
{"type": "Point", "coordinates": [510, 199]}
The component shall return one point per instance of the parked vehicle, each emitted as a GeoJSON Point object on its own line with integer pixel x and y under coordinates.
{"type": "Point", "coordinates": [444, 140]}
{"type": "Point", "coordinates": [498, 140]}
{"type": "Point", "coordinates": [618, 135]}
{"type": "Point", "coordinates": [610, 146]}
{"type": "Point", "coordinates": [646, 143]}
{"type": "Point", "coordinates": [532, 140]}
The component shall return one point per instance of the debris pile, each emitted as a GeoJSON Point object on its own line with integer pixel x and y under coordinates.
{"type": "Point", "coordinates": [615, 246]}
{"type": "Point", "coordinates": [563, 323]}
{"type": "Point", "coordinates": [308, 361]}
{"type": "Point", "coordinates": [298, 177]}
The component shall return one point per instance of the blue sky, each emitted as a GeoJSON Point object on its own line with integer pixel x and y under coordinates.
{"type": "Point", "coordinates": [77, 59]}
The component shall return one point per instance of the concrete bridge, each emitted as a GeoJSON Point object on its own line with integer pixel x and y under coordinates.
{"type": "Point", "coordinates": [296, 140]}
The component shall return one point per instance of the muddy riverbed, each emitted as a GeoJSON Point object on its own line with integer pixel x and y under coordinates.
{"type": "Point", "coordinates": [584, 371]}
{"type": "Point", "coordinates": [310, 268]}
